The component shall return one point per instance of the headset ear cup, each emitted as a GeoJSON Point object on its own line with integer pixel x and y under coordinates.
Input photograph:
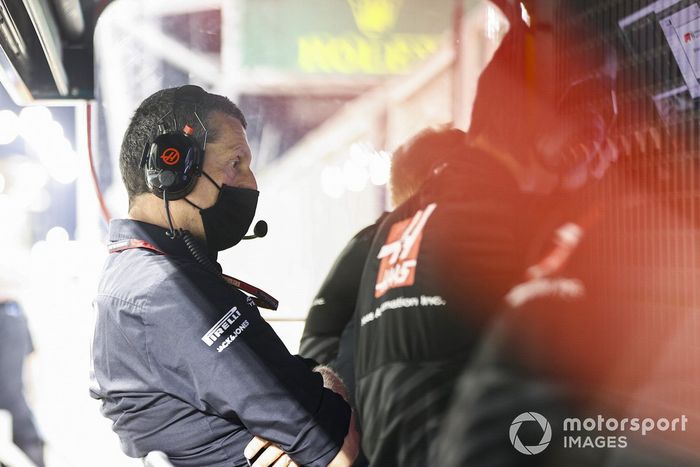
{"type": "Point", "coordinates": [151, 168]}
{"type": "Point", "coordinates": [145, 154]}
{"type": "Point", "coordinates": [153, 172]}
{"type": "Point", "coordinates": [173, 163]}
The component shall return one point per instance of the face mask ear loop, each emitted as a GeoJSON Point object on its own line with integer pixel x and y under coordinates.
{"type": "Point", "coordinates": [192, 204]}
{"type": "Point", "coordinates": [211, 180]}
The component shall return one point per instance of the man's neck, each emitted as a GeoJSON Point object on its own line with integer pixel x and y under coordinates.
{"type": "Point", "coordinates": [151, 209]}
{"type": "Point", "coordinates": [145, 211]}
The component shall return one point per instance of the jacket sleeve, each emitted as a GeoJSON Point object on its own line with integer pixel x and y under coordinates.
{"type": "Point", "coordinates": [211, 347]}
{"type": "Point", "coordinates": [334, 304]}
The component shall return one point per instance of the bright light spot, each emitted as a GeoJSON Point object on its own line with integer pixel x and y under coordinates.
{"type": "Point", "coordinates": [61, 161]}
{"type": "Point", "coordinates": [47, 150]}
{"type": "Point", "coordinates": [2, 183]}
{"type": "Point", "coordinates": [9, 126]}
{"type": "Point", "coordinates": [332, 182]}
{"type": "Point", "coordinates": [355, 176]}
{"type": "Point", "coordinates": [361, 153]}
{"type": "Point", "coordinates": [13, 265]}
{"type": "Point", "coordinates": [57, 235]}
{"type": "Point", "coordinates": [47, 139]}
{"type": "Point", "coordinates": [65, 171]}
{"type": "Point", "coordinates": [32, 120]}
{"type": "Point", "coordinates": [365, 162]}
{"type": "Point", "coordinates": [52, 130]}
{"type": "Point", "coordinates": [40, 202]}
{"type": "Point", "coordinates": [29, 177]}
{"type": "Point", "coordinates": [56, 257]}
{"type": "Point", "coordinates": [39, 253]}
{"type": "Point", "coordinates": [380, 168]}
{"type": "Point", "coordinates": [493, 24]}
{"type": "Point", "coordinates": [35, 113]}
{"type": "Point", "coordinates": [5, 204]}
{"type": "Point", "coordinates": [11, 211]}
{"type": "Point", "coordinates": [524, 14]}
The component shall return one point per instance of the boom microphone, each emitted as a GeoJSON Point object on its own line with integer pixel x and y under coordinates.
{"type": "Point", "coordinates": [259, 231]}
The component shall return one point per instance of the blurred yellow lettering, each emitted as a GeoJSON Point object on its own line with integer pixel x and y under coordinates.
{"type": "Point", "coordinates": [352, 53]}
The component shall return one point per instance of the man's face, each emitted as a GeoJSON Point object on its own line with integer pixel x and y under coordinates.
{"type": "Point", "coordinates": [227, 160]}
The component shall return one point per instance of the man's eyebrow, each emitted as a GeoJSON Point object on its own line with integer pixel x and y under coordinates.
{"type": "Point", "coordinates": [242, 148]}
{"type": "Point", "coordinates": [235, 150]}
{"type": "Point", "coordinates": [236, 147]}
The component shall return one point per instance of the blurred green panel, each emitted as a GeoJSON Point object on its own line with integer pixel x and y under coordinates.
{"type": "Point", "coordinates": [355, 37]}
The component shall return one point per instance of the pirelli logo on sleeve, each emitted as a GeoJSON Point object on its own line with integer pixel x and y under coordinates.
{"type": "Point", "coordinates": [399, 255]}
{"type": "Point", "coordinates": [221, 326]}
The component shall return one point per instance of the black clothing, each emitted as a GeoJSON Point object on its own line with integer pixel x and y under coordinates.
{"type": "Point", "coordinates": [606, 334]}
{"type": "Point", "coordinates": [329, 332]}
{"type": "Point", "coordinates": [184, 364]}
{"type": "Point", "coordinates": [437, 269]}
{"type": "Point", "coordinates": [15, 346]}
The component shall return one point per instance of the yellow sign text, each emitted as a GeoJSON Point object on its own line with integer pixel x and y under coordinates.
{"type": "Point", "coordinates": [353, 53]}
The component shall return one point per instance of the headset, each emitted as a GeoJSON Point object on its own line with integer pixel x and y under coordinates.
{"type": "Point", "coordinates": [172, 159]}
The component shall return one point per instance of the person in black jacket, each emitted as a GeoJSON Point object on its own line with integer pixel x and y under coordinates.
{"type": "Point", "coordinates": [329, 332]}
{"type": "Point", "coordinates": [328, 336]}
{"type": "Point", "coordinates": [443, 260]}
{"type": "Point", "coordinates": [598, 327]}
{"type": "Point", "coordinates": [456, 238]}
{"type": "Point", "coordinates": [594, 330]}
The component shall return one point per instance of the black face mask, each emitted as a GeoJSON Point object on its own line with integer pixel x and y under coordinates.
{"type": "Point", "coordinates": [228, 220]}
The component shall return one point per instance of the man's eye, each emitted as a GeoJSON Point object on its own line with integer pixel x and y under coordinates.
{"type": "Point", "coordinates": [235, 164]}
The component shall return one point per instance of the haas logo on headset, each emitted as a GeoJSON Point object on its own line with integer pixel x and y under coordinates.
{"type": "Point", "coordinates": [170, 156]}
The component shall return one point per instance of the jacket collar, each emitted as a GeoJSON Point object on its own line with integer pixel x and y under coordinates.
{"type": "Point", "coordinates": [127, 229]}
